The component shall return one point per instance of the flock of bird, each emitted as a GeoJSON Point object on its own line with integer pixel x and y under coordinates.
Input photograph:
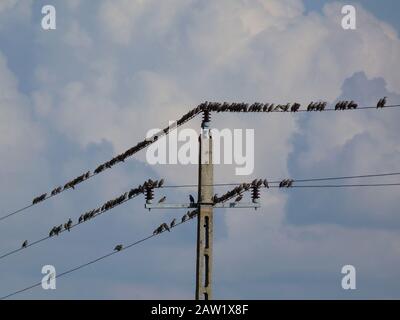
{"type": "Point", "coordinates": [71, 184]}
{"type": "Point", "coordinates": [286, 183]}
{"type": "Point", "coordinates": [238, 191]}
{"type": "Point", "coordinates": [346, 105]}
{"type": "Point", "coordinates": [149, 185]}
{"type": "Point", "coordinates": [108, 205]}
{"type": "Point", "coordinates": [205, 107]}
{"type": "Point", "coordinates": [167, 227]}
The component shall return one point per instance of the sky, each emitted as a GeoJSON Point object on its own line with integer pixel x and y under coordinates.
{"type": "Point", "coordinates": [74, 97]}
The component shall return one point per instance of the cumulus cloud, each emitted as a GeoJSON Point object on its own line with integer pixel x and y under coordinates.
{"type": "Point", "coordinates": [104, 82]}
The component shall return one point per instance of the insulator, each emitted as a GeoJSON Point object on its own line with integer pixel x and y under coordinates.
{"type": "Point", "coordinates": [149, 194]}
{"type": "Point", "coordinates": [206, 118]}
{"type": "Point", "coordinates": [255, 193]}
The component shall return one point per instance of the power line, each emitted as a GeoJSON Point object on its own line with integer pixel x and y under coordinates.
{"type": "Point", "coordinates": [342, 185]}
{"type": "Point", "coordinates": [91, 262]}
{"type": "Point", "coordinates": [61, 231]}
{"type": "Point", "coordinates": [294, 180]}
{"type": "Point", "coordinates": [271, 185]}
{"type": "Point", "coordinates": [153, 235]}
{"type": "Point", "coordinates": [236, 183]}
{"type": "Point", "coordinates": [146, 142]}
{"type": "Point", "coordinates": [360, 108]}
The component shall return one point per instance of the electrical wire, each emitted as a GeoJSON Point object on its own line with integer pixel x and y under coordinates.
{"type": "Point", "coordinates": [90, 262]}
{"type": "Point", "coordinates": [178, 125]}
{"type": "Point", "coordinates": [63, 230]}
{"type": "Point", "coordinates": [273, 185]}
{"type": "Point", "coordinates": [294, 180]}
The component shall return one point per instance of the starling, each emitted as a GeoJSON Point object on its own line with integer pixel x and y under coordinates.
{"type": "Point", "coordinates": [165, 226]}
{"type": "Point", "coordinates": [240, 197]}
{"type": "Point", "coordinates": [215, 198]}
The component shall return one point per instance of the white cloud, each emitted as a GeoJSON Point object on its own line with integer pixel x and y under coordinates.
{"type": "Point", "coordinates": [149, 62]}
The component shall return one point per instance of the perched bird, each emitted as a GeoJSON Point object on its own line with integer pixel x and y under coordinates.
{"type": "Point", "coordinates": [381, 103]}
{"type": "Point", "coordinates": [265, 182]}
{"type": "Point", "coordinates": [295, 107]}
{"type": "Point", "coordinates": [283, 183]}
{"type": "Point", "coordinates": [172, 224]}
{"type": "Point", "coordinates": [118, 247]}
{"type": "Point", "coordinates": [25, 244]}
{"type": "Point", "coordinates": [215, 198]}
{"type": "Point", "coordinates": [80, 219]}
{"type": "Point", "coordinates": [160, 183]}
{"type": "Point", "coordinates": [68, 225]}
{"type": "Point", "coordinates": [191, 199]}
{"type": "Point", "coordinates": [58, 229]}
{"type": "Point", "coordinates": [184, 217]}
{"type": "Point", "coordinates": [162, 199]}
{"type": "Point", "coordinates": [191, 214]}
{"type": "Point", "coordinates": [165, 226]}
{"type": "Point", "coordinates": [289, 183]}
{"type": "Point", "coordinates": [240, 197]}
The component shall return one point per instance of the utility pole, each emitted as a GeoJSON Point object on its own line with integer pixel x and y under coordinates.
{"type": "Point", "coordinates": [204, 206]}
{"type": "Point", "coordinates": [204, 259]}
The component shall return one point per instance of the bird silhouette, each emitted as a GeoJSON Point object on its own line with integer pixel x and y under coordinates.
{"type": "Point", "coordinates": [24, 244]}
{"type": "Point", "coordinates": [161, 183]}
{"type": "Point", "coordinates": [162, 199]}
{"type": "Point", "coordinates": [265, 182]}
{"type": "Point", "coordinates": [172, 224]}
{"type": "Point", "coordinates": [191, 214]}
{"type": "Point", "coordinates": [191, 199]}
{"type": "Point", "coordinates": [68, 225]}
{"type": "Point", "coordinates": [240, 197]}
{"type": "Point", "coordinates": [383, 102]}
{"type": "Point", "coordinates": [165, 226]}
{"type": "Point", "coordinates": [118, 247]}
{"type": "Point", "coordinates": [215, 198]}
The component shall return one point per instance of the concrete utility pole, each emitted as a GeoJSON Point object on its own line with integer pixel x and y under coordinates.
{"type": "Point", "coordinates": [204, 259]}
{"type": "Point", "coordinates": [204, 207]}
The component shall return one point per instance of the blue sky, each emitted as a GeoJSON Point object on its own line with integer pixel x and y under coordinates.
{"type": "Point", "coordinates": [74, 97]}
